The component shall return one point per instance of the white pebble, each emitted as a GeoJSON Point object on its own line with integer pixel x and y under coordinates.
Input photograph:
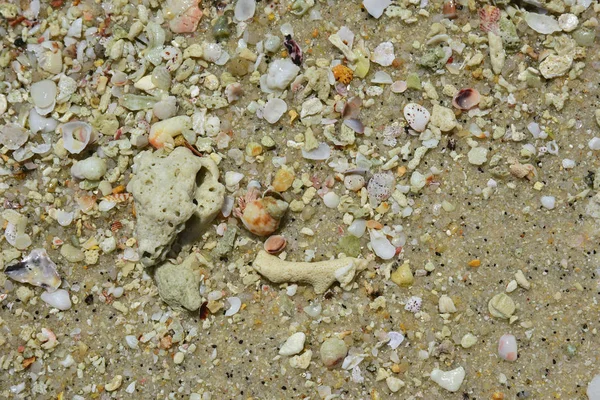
{"type": "Point", "coordinates": [293, 345]}
{"type": "Point", "coordinates": [331, 199]}
{"type": "Point", "coordinates": [131, 341]}
{"type": "Point", "coordinates": [357, 227]}
{"type": "Point", "coordinates": [274, 109]}
{"type": "Point", "coordinates": [449, 380]}
{"type": "Point", "coordinates": [567, 163]}
{"type": "Point", "coordinates": [92, 168]}
{"type": "Point", "coordinates": [59, 299]}
{"type": "Point", "coordinates": [507, 347]}
{"type": "Point", "coordinates": [593, 389]}
{"type": "Point", "coordinates": [394, 384]}
{"type": "Point", "coordinates": [281, 73]}
{"type": "Point", "coordinates": [594, 143]}
{"type": "Point", "coordinates": [446, 305]}
{"type": "Point", "coordinates": [568, 22]}
{"type": "Point", "coordinates": [548, 202]}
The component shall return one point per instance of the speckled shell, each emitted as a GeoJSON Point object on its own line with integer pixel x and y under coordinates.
{"type": "Point", "coordinates": [417, 116]}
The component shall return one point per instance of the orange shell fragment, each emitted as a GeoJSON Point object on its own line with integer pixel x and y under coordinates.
{"type": "Point", "coordinates": [342, 74]}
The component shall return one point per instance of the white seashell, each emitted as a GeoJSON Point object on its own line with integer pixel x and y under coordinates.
{"type": "Point", "coordinates": [59, 299]}
{"type": "Point", "coordinates": [323, 152]}
{"type": "Point", "coordinates": [212, 52]}
{"type": "Point", "coordinates": [244, 9]}
{"type": "Point", "coordinates": [383, 54]}
{"type": "Point", "coordinates": [357, 227]}
{"type": "Point", "coordinates": [507, 347]}
{"type": "Point", "coordinates": [382, 77]}
{"type": "Point", "coordinates": [413, 304]}
{"type": "Point", "coordinates": [417, 116]}
{"type": "Point", "coordinates": [75, 28]}
{"type": "Point", "coordinates": [274, 109]}
{"type": "Point", "coordinates": [449, 380]}
{"type": "Point", "coordinates": [38, 123]}
{"type": "Point", "coordinates": [399, 87]}
{"type": "Point", "coordinates": [234, 306]}
{"type": "Point", "coordinates": [380, 187]}
{"type": "Point", "coordinates": [106, 205]}
{"type": "Point", "coordinates": [375, 8]}
{"type": "Point", "coordinates": [281, 73]}
{"type": "Point", "coordinates": [331, 200]}
{"type": "Point", "coordinates": [43, 95]}
{"type": "Point", "coordinates": [42, 148]}
{"type": "Point", "coordinates": [381, 245]}
{"type": "Point", "coordinates": [293, 345]}
{"type": "Point", "coordinates": [64, 218]}
{"type": "Point", "coordinates": [92, 168]}
{"type": "Point", "coordinates": [3, 104]}
{"type": "Point", "coordinates": [13, 136]}
{"type": "Point", "coordinates": [540, 23]}
{"type": "Point", "coordinates": [395, 339]}
{"type": "Point", "coordinates": [232, 178]}
{"type": "Point", "coordinates": [31, 9]}
{"type": "Point", "coordinates": [76, 136]}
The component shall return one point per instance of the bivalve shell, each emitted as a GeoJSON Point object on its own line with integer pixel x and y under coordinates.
{"type": "Point", "coordinates": [465, 99]}
{"type": "Point", "coordinates": [275, 244]}
{"type": "Point", "coordinates": [417, 116]}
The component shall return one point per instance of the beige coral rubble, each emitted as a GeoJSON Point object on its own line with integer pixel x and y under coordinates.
{"type": "Point", "coordinates": [320, 275]}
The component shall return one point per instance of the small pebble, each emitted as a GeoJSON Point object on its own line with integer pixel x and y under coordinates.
{"type": "Point", "coordinates": [58, 299]}
{"type": "Point", "coordinates": [394, 384]}
{"type": "Point", "coordinates": [178, 358]}
{"type": "Point", "coordinates": [507, 347]}
{"type": "Point", "coordinates": [331, 199]}
{"type": "Point", "coordinates": [354, 182]}
{"type": "Point", "coordinates": [333, 351]}
{"type": "Point", "coordinates": [548, 202]}
{"type": "Point", "coordinates": [449, 380]}
{"type": "Point", "coordinates": [468, 340]}
{"type": "Point", "coordinates": [522, 280]}
{"type": "Point", "coordinates": [293, 345]}
{"type": "Point", "coordinates": [114, 384]}
{"type": "Point", "coordinates": [594, 143]}
{"type": "Point", "coordinates": [446, 305]}
{"type": "Point", "coordinates": [403, 276]}
{"type": "Point", "coordinates": [593, 389]}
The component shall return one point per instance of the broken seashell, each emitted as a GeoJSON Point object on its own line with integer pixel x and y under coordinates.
{"type": "Point", "coordinates": [36, 269]}
{"type": "Point", "coordinates": [244, 9]}
{"type": "Point", "coordinates": [375, 8]}
{"type": "Point", "coordinates": [384, 54]}
{"type": "Point", "coordinates": [273, 110]}
{"type": "Point", "coordinates": [417, 116]}
{"type": "Point", "coordinates": [540, 23]}
{"type": "Point", "coordinates": [163, 132]}
{"type": "Point", "coordinates": [399, 87]}
{"type": "Point", "coordinates": [76, 136]}
{"type": "Point", "coordinates": [43, 95]}
{"type": "Point", "coordinates": [38, 123]}
{"type": "Point", "coordinates": [466, 99]}
{"type": "Point", "coordinates": [13, 136]}
{"type": "Point", "coordinates": [275, 244]}
{"type": "Point", "coordinates": [320, 153]}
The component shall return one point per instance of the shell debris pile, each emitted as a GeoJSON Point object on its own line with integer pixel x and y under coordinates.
{"type": "Point", "coordinates": [299, 199]}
